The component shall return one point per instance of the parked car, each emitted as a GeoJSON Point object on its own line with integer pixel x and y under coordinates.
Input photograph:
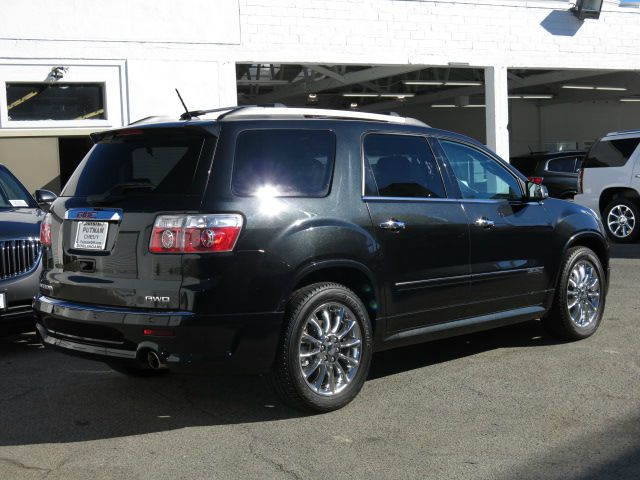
{"type": "Point", "coordinates": [20, 250]}
{"type": "Point", "coordinates": [558, 171]}
{"type": "Point", "coordinates": [300, 241]}
{"type": "Point", "coordinates": [610, 184]}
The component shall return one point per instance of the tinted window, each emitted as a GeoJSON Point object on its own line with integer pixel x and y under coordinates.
{"type": "Point", "coordinates": [478, 175]}
{"type": "Point", "coordinates": [613, 153]}
{"type": "Point", "coordinates": [141, 164]}
{"type": "Point", "coordinates": [402, 166]}
{"type": "Point", "coordinates": [562, 165]}
{"type": "Point", "coordinates": [284, 163]}
{"type": "Point", "coordinates": [12, 193]}
{"type": "Point", "coordinates": [55, 101]}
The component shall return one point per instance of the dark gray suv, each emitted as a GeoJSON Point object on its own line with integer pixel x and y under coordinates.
{"type": "Point", "coordinates": [20, 220]}
{"type": "Point", "coordinates": [300, 241]}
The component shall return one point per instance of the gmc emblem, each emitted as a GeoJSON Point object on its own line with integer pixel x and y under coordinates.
{"type": "Point", "coordinates": [87, 214]}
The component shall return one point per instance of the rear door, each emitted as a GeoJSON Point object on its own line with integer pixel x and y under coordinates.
{"type": "Point", "coordinates": [560, 175]}
{"type": "Point", "coordinates": [509, 249]}
{"type": "Point", "coordinates": [423, 234]}
{"type": "Point", "coordinates": [101, 226]}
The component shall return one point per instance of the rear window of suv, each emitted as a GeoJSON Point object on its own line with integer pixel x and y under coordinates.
{"type": "Point", "coordinates": [611, 153]}
{"type": "Point", "coordinates": [283, 163]}
{"type": "Point", "coordinates": [142, 163]}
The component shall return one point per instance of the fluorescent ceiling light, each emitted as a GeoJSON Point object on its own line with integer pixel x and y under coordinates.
{"type": "Point", "coordinates": [630, 99]}
{"type": "Point", "coordinates": [443, 84]}
{"type": "Point", "coordinates": [379, 95]}
{"type": "Point", "coordinates": [349, 94]}
{"type": "Point", "coordinates": [594, 87]}
{"type": "Point", "coordinates": [531, 96]}
{"type": "Point", "coordinates": [441, 105]}
{"type": "Point", "coordinates": [474, 105]}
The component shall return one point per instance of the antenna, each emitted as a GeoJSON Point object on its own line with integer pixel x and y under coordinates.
{"type": "Point", "coordinates": [187, 114]}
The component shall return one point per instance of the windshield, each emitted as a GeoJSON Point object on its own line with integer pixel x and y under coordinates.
{"type": "Point", "coordinates": [140, 164]}
{"type": "Point", "coordinates": [12, 193]}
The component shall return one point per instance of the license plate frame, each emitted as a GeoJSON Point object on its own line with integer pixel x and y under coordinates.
{"type": "Point", "coordinates": [85, 240]}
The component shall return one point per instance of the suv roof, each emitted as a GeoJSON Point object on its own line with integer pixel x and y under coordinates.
{"type": "Point", "coordinates": [632, 133]}
{"type": "Point", "coordinates": [281, 112]}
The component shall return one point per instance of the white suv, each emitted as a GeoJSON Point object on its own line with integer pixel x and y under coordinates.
{"type": "Point", "coordinates": [610, 184]}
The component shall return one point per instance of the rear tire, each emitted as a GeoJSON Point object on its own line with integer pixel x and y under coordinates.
{"type": "Point", "coordinates": [579, 299]}
{"type": "Point", "coordinates": [325, 351]}
{"type": "Point", "coordinates": [621, 219]}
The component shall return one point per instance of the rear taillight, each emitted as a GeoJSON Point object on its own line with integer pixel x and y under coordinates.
{"type": "Point", "coordinates": [536, 180]}
{"type": "Point", "coordinates": [45, 231]}
{"type": "Point", "coordinates": [581, 181]}
{"type": "Point", "coordinates": [195, 233]}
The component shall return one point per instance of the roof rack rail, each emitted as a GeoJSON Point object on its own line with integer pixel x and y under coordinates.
{"type": "Point", "coordinates": [624, 132]}
{"type": "Point", "coordinates": [227, 110]}
{"type": "Point", "coordinates": [282, 112]}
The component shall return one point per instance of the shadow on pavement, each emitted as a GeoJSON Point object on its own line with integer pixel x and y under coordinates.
{"type": "Point", "coordinates": [47, 397]}
{"type": "Point", "coordinates": [619, 250]}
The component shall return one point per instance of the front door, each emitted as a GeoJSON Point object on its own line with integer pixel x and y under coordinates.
{"type": "Point", "coordinates": [510, 237]}
{"type": "Point", "coordinates": [423, 234]}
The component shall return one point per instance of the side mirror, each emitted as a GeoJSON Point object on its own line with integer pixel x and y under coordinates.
{"type": "Point", "coordinates": [45, 197]}
{"type": "Point", "coordinates": [536, 192]}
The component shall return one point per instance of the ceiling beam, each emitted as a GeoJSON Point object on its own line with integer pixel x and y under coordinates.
{"type": "Point", "coordinates": [361, 76]}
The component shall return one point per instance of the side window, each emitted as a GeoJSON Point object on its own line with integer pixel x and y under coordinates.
{"type": "Point", "coordinates": [562, 165]}
{"type": "Point", "coordinates": [478, 175]}
{"type": "Point", "coordinates": [283, 163]}
{"type": "Point", "coordinates": [612, 153]}
{"type": "Point", "coordinates": [401, 166]}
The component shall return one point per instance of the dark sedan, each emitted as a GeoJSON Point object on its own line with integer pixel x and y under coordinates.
{"type": "Point", "coordinates": [20, 219]}
{"type": "Point", "coordinates": [558, 171]}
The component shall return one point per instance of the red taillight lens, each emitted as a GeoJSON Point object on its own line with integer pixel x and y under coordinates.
{"type": "Point", "coordinates": [45, 231]}
{"type": "Point", "coordinates": [536, 180]}
{"type": "Point", "coordinates": [195, 233]}
{"type": "Point", "coordinates": [158, 332]}
{"type": "Point", "coordinates": [167, 235]}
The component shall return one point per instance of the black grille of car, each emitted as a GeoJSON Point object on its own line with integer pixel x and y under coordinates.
{"type": "Point", "coordinates": [18, 257]}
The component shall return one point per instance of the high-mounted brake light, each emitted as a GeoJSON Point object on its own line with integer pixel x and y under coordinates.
{"type": "Point", "coordinates": [45, 231]}
{"type": "Point", "coordinates": [195, 233]}
{"type": "Point", "coordinates": [536, 180]}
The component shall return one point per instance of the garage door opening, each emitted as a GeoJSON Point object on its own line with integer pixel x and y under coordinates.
{"type": "Point", "coordinates": [451, 98]}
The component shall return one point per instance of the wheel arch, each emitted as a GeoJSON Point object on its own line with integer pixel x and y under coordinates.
{"type": "Point", "coordinates": [350, 273]}
{"type": "Point", "coordinates": [610, 193]}
{"type": "Point", "coordinates": [594, 242]}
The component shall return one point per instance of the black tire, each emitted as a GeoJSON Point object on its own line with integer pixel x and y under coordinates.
{"type": "Point", "coordinates": [288, 378]}
{"type": "Point", "coordinates": [135, 370]}
{"type": "Point", "coordinates": [559, 321]}
{"type": "Point", "coordinates": [618, 203]}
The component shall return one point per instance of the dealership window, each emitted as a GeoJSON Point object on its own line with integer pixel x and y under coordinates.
{"type": "Point", "coordinates": [61, 95]}
{"type": "Point", "coordinates": [55, 101]}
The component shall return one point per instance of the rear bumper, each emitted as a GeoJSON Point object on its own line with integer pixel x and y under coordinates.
{"type": "Point", "coordinates": [227, 343]}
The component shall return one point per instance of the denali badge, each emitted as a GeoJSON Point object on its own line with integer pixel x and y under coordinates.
{"type": "Point", "coordinates": [153, 298]}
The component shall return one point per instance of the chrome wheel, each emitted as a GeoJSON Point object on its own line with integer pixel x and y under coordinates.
{"type": "Point", "coordinates": [621, 221]}
{"type": "Point", "coordinates": [330, 349]}
{"type": "Point", "coordinates": [583, 293]}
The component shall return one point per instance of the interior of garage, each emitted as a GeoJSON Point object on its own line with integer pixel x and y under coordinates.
{"type": "Point", "coordinates": [549, 110]}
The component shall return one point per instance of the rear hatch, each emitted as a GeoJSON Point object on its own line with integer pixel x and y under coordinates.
{"type": "Point", "coordinates": [101, 228]}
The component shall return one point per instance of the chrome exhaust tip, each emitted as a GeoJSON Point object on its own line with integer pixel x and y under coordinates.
{"type": "Point", "coordinates": [154, 361]}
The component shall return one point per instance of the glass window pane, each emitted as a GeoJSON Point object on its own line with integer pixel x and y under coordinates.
{"type": "Point", "coordinates": [12, 193]}
{"type": "Point", "coordinates": [478, 175]}
{"type": "Point", "coordinates": [562, 165]}
{"type": "Point", "coordinates": [612, 153]}
{"type": "Point", "coordinates": [55, 101]}
{"type": "Point", "coordinates": [283, 163]}
{"type": "Point", "coordinates": [402, 166]}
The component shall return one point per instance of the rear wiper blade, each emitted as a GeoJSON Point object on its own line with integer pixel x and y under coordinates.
{"type": "Point", "coordinates": [119, 188]}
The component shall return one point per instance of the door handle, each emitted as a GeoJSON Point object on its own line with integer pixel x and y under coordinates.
{"type": "Point", "coordinates": [393, 225]}
{"type": "Point", "coordinates": [484, 222]}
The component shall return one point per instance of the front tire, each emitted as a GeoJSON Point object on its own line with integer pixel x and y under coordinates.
{"type": "Point", "coordinates": [579, 300]}
{"type": "Point", "coordinates": [325, 351]}
{"type": "Point", "coordinates": [620, 218]}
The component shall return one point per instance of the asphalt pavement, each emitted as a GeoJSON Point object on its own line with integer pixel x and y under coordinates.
{"type": "Point", "coordinates": [506, 404]}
